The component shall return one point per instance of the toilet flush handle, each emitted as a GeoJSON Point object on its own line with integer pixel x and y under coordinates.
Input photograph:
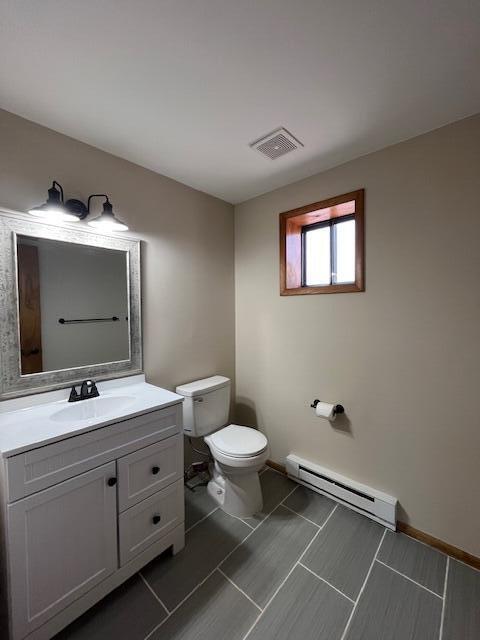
{"type": "Point", "coordinates": [200, 399]}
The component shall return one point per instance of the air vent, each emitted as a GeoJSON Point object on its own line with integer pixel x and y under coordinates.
{"type": "Point", "coordinates": [276, 144]}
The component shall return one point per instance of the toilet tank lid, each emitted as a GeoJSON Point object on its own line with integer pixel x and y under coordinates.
{"type": "Point", "coordinates": [199, 387]}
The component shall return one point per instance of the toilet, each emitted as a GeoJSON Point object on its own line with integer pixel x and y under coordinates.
{"type": "Point", "coordinates": [238, 452]}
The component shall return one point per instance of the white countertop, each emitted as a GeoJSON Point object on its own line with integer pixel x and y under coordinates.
{"type": "Point", "coordinates": [26, 423]}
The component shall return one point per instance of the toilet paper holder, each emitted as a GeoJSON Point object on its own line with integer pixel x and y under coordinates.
{"type": "Point", "coordinates": [338, 408]}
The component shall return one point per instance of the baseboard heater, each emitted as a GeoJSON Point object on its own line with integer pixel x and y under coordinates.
{"type": "Point", "coordinates": [372, 503]}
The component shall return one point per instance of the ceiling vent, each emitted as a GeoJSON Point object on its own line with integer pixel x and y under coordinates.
{"type": "Point", "coordinates": [276, 144]}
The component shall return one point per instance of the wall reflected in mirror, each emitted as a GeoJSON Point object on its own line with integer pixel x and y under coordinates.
{"type": "Point", "coordinates": [73, 305]}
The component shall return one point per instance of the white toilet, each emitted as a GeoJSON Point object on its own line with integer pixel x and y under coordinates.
{"type": "Point", "coordinates": [239, 452]}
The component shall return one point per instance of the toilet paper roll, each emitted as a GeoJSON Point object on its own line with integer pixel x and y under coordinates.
{"type": "Point", "coordinates": [325, 410]}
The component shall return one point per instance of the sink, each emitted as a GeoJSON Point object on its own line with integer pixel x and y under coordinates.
{"type": "Point", "coordinates": [92, 408]}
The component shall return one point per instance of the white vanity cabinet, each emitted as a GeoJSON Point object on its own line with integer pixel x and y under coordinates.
{"type": "Point", "coordinates": [83, 514]}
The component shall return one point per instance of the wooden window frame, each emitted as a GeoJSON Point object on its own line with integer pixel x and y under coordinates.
{"type": "Point", "coordinates": [291, 249]}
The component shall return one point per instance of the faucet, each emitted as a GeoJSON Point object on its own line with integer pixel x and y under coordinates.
{"type": "Point", "coordinates": [88, 389]}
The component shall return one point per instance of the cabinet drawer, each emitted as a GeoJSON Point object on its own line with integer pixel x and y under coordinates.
{"type": "Point", "coordinates": [146, 522]}
{"type": "Point", "coordinates": [41, 468]}
{"type": "Point", "coordinates": [148, 470]}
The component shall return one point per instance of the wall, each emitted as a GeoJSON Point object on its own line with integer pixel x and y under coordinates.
{"type": "Point", "coordinates": [187, 253]}
{"type": "Point", "coordinates": [403, 357]}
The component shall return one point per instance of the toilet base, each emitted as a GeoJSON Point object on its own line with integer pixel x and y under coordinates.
{"type": "Point", "coordinates": [236, 491]}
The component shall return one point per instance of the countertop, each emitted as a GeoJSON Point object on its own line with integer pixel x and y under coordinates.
{"type": "Point", "coordinates": [26, 423]}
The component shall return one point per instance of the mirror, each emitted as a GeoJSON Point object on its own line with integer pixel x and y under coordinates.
{"type": "Point", "coordinates": [72, 305]}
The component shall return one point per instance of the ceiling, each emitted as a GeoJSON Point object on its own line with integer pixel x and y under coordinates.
{"type": "Point", "coordinates": [183, 86]}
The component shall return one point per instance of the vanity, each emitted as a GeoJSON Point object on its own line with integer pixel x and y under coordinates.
{"type": "Point", "coordinates": [87, 500]}
{"type": "Point", "coordinates": [90, 490]}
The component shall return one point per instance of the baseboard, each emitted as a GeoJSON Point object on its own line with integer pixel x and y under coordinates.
{"type": "Point", "coordinates": [444, 547]}
{"type": "Point", "coordinates": [278, 467]}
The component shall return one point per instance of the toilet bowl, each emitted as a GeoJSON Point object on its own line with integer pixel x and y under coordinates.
{"type": "Point", "coordinates": [238, 452]}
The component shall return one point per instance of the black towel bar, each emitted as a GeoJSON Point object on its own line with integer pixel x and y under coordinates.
{"type": "Point", "coordinates": [112, 319]}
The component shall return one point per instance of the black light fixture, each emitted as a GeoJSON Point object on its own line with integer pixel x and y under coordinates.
{"type": "Point", "coordinates": [55, 209]}
{"type": "Point", "coordinates": [106, 221]}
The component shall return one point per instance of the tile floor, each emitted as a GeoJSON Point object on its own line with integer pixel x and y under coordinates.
{"type": "Point", "coordinates": [305, 568]}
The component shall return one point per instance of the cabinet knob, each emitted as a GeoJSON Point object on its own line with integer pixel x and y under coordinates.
{"type": "Point", "coordinates": [156, 519]}
{"type": "Point", "coordinates": [155, 470]}
{"type": "Point", "coordinates": [112, 482]}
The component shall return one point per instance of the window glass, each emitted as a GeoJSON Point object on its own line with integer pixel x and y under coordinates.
{"type": "Point", "coordinates": [317, 257]}
{"type": "Point", "coordinates": [344, 269]}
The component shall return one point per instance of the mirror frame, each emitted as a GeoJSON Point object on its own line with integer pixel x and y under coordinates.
{"type": "Point", "coordinates": [12, 382]}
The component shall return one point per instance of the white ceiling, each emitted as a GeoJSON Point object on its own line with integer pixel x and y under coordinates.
{"type": "Point", "coordinates": [183, 86]}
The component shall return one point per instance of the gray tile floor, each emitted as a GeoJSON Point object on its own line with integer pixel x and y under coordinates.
{"type": "Point", "coordinates": [303, 569]}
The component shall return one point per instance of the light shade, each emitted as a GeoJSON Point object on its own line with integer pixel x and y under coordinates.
{"type": "Point", "coordinates": [53, 209]}
{"type": "Point", "coordinates": [106, 221]}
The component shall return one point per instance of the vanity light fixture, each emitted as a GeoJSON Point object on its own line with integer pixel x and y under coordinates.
{"type": "Point", "coordinates": [55, 209]}
{"type": "Point", "coordinates": [106, 221]}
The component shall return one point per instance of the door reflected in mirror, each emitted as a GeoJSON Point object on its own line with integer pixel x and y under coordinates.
{"type": "Point", "coordinates": [73, 305]}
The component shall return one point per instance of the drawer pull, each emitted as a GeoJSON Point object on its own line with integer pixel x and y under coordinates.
{"type": "Point", "coordinates": [156, 519]}
{"type": "Point", "coordinates": [155, 470]}
{"type": "Point", "coordinates": [112, 482]}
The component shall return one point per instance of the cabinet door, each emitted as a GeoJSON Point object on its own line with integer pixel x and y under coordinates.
{"type": "Point", "coordinates": [62, 542]}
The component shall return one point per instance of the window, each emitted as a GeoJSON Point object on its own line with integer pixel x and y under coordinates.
{"type": "Point", "coordinates": [328, 254]}
{"type": "Point", "coordinates": [322, 247]}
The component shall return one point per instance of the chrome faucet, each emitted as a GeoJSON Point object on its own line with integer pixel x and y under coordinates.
{"type": "Point", "coordinates": [88, 390]}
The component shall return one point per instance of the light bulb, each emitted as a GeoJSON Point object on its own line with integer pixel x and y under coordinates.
{"type": "Point", "coordinates": [53, 213]}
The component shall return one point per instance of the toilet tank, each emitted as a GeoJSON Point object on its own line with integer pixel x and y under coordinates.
{"type": "Point", "coordinates": [206, 405]}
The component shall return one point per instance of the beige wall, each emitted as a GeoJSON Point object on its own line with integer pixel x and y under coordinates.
{"type": "Point", "coordinates": [187, 256]}
{"type": "Point", "coordinates": [403, 357]}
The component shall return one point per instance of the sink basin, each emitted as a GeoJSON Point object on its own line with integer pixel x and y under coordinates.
{"type": "Point", "coordinates": [92, 408]}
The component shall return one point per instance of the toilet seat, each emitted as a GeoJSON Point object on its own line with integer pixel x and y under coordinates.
{"type": "Point", "coordinates": [236, 441]}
